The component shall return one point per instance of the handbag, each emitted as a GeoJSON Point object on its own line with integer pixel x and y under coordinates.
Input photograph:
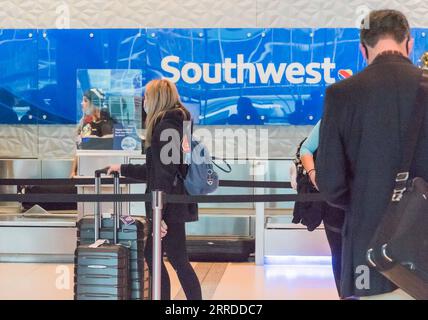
{"type": "Point", "coordinates": [309, 214]}
{"type": "Point", "coordinates": [399, 248]}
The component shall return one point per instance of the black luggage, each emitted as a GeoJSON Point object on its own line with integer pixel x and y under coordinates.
{"type": "Point", "coordinates": [52, 190]}
{"type": "Point", "coordinates": [220, 248]}
{"type": "Point", "coordinates": [102, 270]}
{"type": "Point", "coordinates": [399, 248]}
{"type": "Point", "coordinates": [132, 234]}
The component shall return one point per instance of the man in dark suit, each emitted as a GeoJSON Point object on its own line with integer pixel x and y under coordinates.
{"type": "Point", "coordinates": [361, 134]}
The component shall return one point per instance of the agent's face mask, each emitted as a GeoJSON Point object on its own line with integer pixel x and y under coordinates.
{"type": "Point", "coordinates": [87, 107]}
{"type": "Point", "coordinates": [88, 111]}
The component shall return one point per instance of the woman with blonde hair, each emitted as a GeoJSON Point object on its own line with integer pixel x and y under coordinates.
{"type": "Point", "coordinates": [166, 114]}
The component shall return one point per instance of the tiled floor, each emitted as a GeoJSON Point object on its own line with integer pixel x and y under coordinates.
{"type": "Point", "coordinates": [241, 281]}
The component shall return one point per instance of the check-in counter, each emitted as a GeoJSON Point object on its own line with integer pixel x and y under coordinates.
{"type": "Point", "coordinates": [16, 169]}
{"type": "Point", "coordinates": [38, 238]}
{"type": "Point", "coordinates": [52, 237]}
{"type": "Point", "coordinates": [284, 238]}
{"type": "Point", "coordinates": [35, 236]}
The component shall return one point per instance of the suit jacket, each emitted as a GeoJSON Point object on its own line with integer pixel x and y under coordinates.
{"type": "Point", "coordinates": [365, 118]}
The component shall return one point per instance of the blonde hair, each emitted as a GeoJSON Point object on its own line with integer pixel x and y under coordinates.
{"type": "Point", "coordinates": [161, 96]}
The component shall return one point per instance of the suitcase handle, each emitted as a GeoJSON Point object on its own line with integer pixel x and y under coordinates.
{"type": "Point", "coordinates": [117, 206]}
{"type": "Point", "coordinates": [100, 172]}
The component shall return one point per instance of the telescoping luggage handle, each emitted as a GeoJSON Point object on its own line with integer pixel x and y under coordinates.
{"type": "Point", "coordinates": [117, 206]}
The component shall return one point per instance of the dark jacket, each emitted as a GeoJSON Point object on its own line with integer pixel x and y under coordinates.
{"type": "Point", "coordinates": [165, 177]}
{"type": "Point", "coordinates": [364, 121]}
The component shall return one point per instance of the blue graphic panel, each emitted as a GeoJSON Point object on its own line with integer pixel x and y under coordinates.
{"type": "Point", "coordinates": [63, 52]}
{"type": "Point", "coordinates": [242, 76]}
{"type": "Point", "coordinates": [18, 76]}
{"type": "Point", "coordinates": [421, 44]}
{"type": "Point", "coordinates": [256, 76]}
{"type": "Point", "coordinates": [224, 76]}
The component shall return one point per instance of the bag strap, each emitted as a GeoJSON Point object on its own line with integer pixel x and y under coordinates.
{"type": "Point", "coordinates": [227, 170]}
{"type": "Point", "coordinates": [411, 138]}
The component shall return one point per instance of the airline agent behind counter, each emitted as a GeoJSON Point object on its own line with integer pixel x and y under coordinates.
{"type": "Point", "coordinates": [96, 120]}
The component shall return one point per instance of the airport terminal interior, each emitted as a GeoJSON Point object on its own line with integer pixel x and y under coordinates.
{"type": "Point", "coordinates": [253, 75]}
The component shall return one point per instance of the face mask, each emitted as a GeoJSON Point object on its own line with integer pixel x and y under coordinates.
{"type": "Point", "coordinates": [88, 112]}
{"type": "Point", "coordinates": [146, 110]}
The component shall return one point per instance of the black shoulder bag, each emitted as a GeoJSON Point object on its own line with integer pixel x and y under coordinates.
{"type": "Point", "coordinates": [399, 249]}
{"type": "Point", "coordinates": [309, 214]}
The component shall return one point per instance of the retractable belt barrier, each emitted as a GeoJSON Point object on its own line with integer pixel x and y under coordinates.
{"type": "Point", "coordinates": [168, 198]}
{"type": "Point", "coordinates": [91, 181]}
{"type": "Point", "coordinates": [64, 182]}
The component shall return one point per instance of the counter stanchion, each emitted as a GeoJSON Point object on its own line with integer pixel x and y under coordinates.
{"type": "Point", "coordinates": [157, 206]}
{"type": "Point", "coordinates": [259, 170]}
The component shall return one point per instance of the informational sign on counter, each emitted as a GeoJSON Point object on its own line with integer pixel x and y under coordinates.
{"type": "Point", "coordinates": [126, 138]}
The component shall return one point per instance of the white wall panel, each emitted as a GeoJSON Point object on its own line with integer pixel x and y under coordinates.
{"type": "Point", "coordinates": [332, 14]}
{"type": "Point", "coordinates": [18, 141]}
{"type": "Point", "coordinates": [19, 14]}
{"type": "Point", "coordinates": [57, 142]}
{"type": "Point", "coordinates": [198, 13]}
{"type": "Point", "coordinates": [147, 13]}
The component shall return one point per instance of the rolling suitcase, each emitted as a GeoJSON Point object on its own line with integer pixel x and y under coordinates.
{"type": "Point", "coordinates": [132, 234]}
{"type": "Point", "coordinates": [101, 269]}
{"type": "Point", "coordinates": [220, 248]}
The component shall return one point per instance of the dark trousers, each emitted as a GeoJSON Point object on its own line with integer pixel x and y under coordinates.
{"type": "Point", "coordinates": [333, 224]}
{"type": "Point", "coordinates": [174, 245]}
{"type": "Point", "coordinates": [335, 242]}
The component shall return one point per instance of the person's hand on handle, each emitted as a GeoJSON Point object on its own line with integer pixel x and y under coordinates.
{"type": "Point", "coordinates": [113, 168]}
{"type": "Point", "coordinates": [312, 177]}
{"type": "Point", "coordinates": [164, 229]}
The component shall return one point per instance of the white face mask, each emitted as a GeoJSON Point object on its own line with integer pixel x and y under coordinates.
{"type": "Point", "coordinates": [89, 111]}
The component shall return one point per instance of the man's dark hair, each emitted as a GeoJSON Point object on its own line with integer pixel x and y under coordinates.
{"type": "Point", "coordinates": [382, 24]}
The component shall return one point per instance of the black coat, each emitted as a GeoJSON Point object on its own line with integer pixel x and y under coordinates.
{"type": "Point", "coordinates": [364, 121]}
{"type": "Point", "coordinates": [165, 177]}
